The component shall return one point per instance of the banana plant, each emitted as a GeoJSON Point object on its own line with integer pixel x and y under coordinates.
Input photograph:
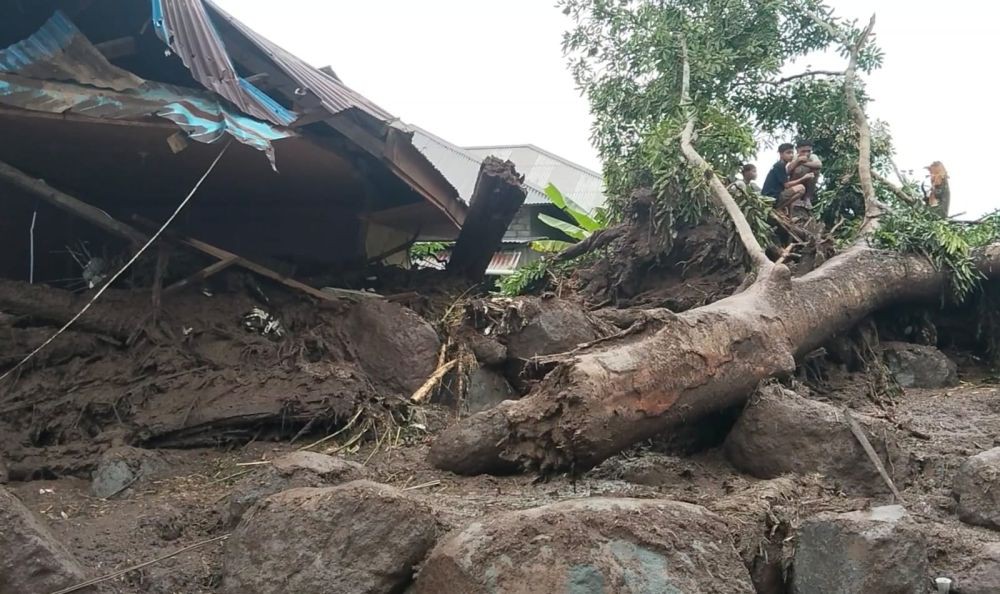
{"type": "Point", "coordinates": [584, 224]}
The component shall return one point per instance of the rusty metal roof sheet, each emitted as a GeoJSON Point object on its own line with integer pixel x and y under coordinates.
{"type": "Point", "coordinates": [503, 263]}
{"type": "Point", "coordinates": [59, 51]}
{"type": "Point", "coordinates": [185, 26]}
{"type": "Point", "coordinates": [335, 95]}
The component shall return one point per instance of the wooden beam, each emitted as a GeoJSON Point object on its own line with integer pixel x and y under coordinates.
{"type": "Point", "coordinates": [118, 48]}
{"type": "Point", "coordinates": [63, 201]}
{"type": "Point", "coordinates": [201, 275]}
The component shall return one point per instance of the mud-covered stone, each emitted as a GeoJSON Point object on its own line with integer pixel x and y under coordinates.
{"type": "Point", "coordinates": [123, 467]}
{"type": "Point", "coordinates": [982, 576]}
{"type": "Point", "coordinates": [977, 489]}
{"type": "Point", "coordinates": [781, 432]}
{"type": "Point", "coordinates": [548, 326]}
{"type": "Point", "coordinates": [487, 388]}
{"type": "Point", "coordinates": [295, 470]}
{"type": "Point", "coordinates": [590, 546]}
{"type": "Point", "coordinates": [32, 560]}
{"type": "Point", "coordinates": [356, 538]}
{"type": "Point", "coordinates": [877, 550]}
{"type": "Point", "coordinates": [919, 366]}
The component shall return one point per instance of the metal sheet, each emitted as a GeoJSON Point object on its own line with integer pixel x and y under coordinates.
{"type": "Point", "coordinates": [185, 26]}
{"type": "Point", "coordinates": [503, 263]}
{"type": "Point", "coordinates": [59, 51]}
{"type": "Point", "coordinates": [335, 95]}
{"type": "Point", "coordinates": [200, 115]}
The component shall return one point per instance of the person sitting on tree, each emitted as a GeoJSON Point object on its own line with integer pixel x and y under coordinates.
{"type": "Point", "coordinates": [793, 177]}
{"type": "Point", "coordinates": [748, 173]}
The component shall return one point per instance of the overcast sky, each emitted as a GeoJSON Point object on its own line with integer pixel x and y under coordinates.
{"type": "Point", "coordinates": [481, 73]}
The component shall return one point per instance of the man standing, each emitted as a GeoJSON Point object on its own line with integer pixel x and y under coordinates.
{"type": "Point", "coordinates": [780, 183]}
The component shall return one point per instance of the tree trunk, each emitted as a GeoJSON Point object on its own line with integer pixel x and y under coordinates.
{"type": "Point", "coordinates": [498, 196]}
{"type": "Point", "coordinates": [601, 401]}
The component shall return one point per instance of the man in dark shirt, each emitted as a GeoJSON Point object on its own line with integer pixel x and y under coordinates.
{"type": "Point", "coordinates": [777, 184]}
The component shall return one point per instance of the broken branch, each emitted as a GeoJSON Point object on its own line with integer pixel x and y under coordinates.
{"type": "Point", "coordinates": [725, 199]}
{"type": "Point", "coordinates": [867, 446]}
{"type": "Point", "coordinates": [425, 390]}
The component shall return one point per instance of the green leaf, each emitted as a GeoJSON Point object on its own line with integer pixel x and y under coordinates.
{"type": "Point", "coordinates": [584, 220]}
{"type": "Point", "coordinates": [568, 228]}
{"type": "Point", "coordinates": [555, 196]}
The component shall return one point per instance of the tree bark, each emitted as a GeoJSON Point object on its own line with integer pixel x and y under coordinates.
{"type": "Point", "coordinates": [602, 400]}
{"type": "Point", "coordinates": [498, 196]}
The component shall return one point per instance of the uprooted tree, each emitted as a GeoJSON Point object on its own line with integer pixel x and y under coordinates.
{"type": "Point", "coordinates": [680, 89]}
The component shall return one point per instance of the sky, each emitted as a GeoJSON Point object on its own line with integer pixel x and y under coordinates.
{"type": "Point", "coordinates": [484, 73]}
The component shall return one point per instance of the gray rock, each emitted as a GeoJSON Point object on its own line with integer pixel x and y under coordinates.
{"type": "Point", "coordinates": [879, 550]}
{"type": "Point", "coordinates": [488, 351]}
{"type": "Point", "coordinates": [123, 467]}
{"type": "Point", "coordinates": [360, 537]}
{"type": "Point", "coordinates": [919, 366]}
{"type": "Point", "coordinates": [977, 489]}
{"type": "Point", "coordinates": [292, 471]}
{"type": "Point", "coordinates": [4, 474]}
{"type": "Point", "coordinates": [983, 576]}
{"type": "Point", "coordinates": [393, 345]}
{"type": "Point", "coordinates": [487, 389]}
{"type": "Point", "coordinates": [590, 546]}
{"type": "Point", "coordinates": [32, 561]}
{"type": "Point", "coordinates": [549, 326]}
{"type": "Point", "coordinates": [780, 432]}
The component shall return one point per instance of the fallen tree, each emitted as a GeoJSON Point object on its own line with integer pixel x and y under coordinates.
{"type": "Point", "coordinates": [603, 399]}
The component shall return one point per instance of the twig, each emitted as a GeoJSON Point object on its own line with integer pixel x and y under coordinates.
{"type": "Point", "coordinates": [336, 433]}
{"type": "Point", "coordinates": [425, 390]}
{"type": "Point", "coordinates": [423, 486]}
{"type": "Point", "coordinates": [860, 436]}
{"type": "Point", "coordinates": [786, 79]}
{"type": "Point", "coordinates": [226, 478]}
{"type": "Point", "coordinates": [122, 572]}
{"type": "Point", "coordinates": [896, 190]}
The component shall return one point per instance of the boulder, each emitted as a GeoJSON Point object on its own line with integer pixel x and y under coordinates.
{"type": "Point", "coordinates": [977, 489]}
{"type": "Point", "coordinates": [32, 561]}
{"type": "Point", "coordinates": [488, 351]}
{"type": "Point", "coordinates": [360, 537]}
{"type": "Point", "coordinates": [487, 389]}
{"type": "Point", "coordinates": [878, 550]}
{"type": "Point", "coordinates": [4, 473]}
{"type": "Point", "coordinates": [781, 432]}
{"type": "Point", "coordinates": [919, 366]}
{"type": "Point", "coordinates": [295, 470]}
{"type": "Point", "coordinates": [590, 545]}
{"type": "Point", "coordinates": [983, 576]}
{"type": "Point", "coordinates": [549, 326]}
{"type": "Point", "coordinates": [393, 344]}
{"type": "Point", "coordinates": [123, 467]}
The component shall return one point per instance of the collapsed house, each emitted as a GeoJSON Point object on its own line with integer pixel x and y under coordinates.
{"type": "Point", "coordinates": [111, 112]}
{"type": "Point", "coordinates": [461, 167]}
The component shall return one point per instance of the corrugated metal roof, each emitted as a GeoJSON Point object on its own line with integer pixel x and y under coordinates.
{"type": "Point", "coordinates": [541, 168]}
{"type": "Point", "coordinates": [185, 26]}
{"type": "Point", "coordinates": [460, 167]}
{"type": "Point", "coordinates": [503, 263]}
{"type": "Point", "coordinates": [335, 95]}
{"type": "Point", "coordinates": [59, 51]}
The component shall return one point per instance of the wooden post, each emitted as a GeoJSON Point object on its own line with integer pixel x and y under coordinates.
{"type": "Point", "coordinates": [161, 267]}
{"type": "Point", "coordinates": [498, 196]}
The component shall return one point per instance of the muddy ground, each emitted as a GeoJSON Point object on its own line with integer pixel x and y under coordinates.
{"type": "Point", "coordinates": [217, 397]}
{"type": "Point", "coordinates": [183, 504]}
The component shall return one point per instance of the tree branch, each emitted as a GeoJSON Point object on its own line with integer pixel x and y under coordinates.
{"type": "Point", "coordinates": [750, 243]}
{"type": "Point", "coordinates": [786, 79]}
{"type": "Point", "coordinates": [896, 190]}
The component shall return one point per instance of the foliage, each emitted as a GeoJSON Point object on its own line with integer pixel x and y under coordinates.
{"type": "Point", "coordinates": [950, 245]}
{"type": "Point", "coordinates": [524, 278]}
{"type": "Point", "coordinates": [583, 227]}
{"type": "Point", "coordinates": [424, 249]}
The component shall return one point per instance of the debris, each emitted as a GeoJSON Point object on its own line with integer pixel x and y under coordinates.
{"type": "Point", "coordinates": [919, 366]}
{"type": "Point", "coordinates": [424, 391]}
{"type": "Point", "coordinates": [870, 451]}
{"type": "Point", "coordinates": [260, 322]}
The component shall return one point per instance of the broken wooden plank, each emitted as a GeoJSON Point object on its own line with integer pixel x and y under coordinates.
{"type": "Point", "coordinates": [326, 294]}
{"type": "Point", "coordinates": [118, 48]}
{"type": "Point", "coordinates": [859, 434]}
{"type": "Point", "coordinates": [498, 196]}
{"type": "Point", "coordinates": [201, 275]}
{"type": "Point", "coordinates": [74, 206]}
